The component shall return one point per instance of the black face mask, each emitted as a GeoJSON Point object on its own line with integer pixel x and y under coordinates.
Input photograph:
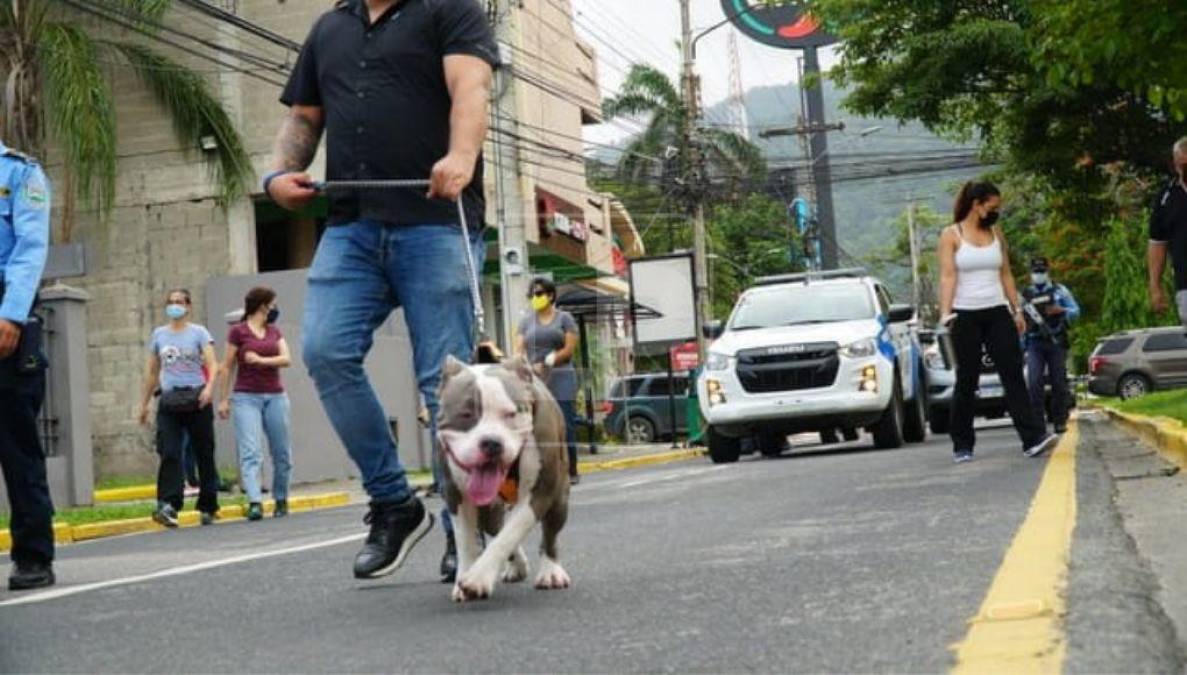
{"type": "Point", "coordinates": [273, 315]}
{"type": "Point", "coordinates": [990, 219]}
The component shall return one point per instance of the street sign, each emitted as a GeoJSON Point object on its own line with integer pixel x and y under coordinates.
{"type": "Point", "coordinates": [684, 357]}
{"type": "Point", "coordinates": [786, 26]}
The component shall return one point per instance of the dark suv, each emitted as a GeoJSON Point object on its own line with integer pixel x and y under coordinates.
{"type": "Point", "coordinates": [643, 415]}
{"type": "Point", "coordinates": [1136, 362]}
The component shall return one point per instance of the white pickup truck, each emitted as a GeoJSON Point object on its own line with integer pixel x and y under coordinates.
{"type": "Point", "coordinates": [813, 352]}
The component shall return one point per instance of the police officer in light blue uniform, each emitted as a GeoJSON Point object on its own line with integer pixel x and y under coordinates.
{"type": "Point", "coordinates": [1047, 344]}
{"type": "Point", "coordinates": [24, 242]}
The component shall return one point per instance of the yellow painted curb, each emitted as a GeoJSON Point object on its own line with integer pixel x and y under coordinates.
{"type": "Point", "coordinates": [1168, 435]}
{"type": "Point", "coordinates": [125, 494]}
{"type": "Point", "coordinates": [65, 534]}
{"type": "Point", "coordinates": [1019, 628]}
{"type": "Point", "coordinates": [644, 460]}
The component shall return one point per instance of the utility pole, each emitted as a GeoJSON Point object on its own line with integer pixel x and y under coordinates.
{"type": "Point", "coordinates": [510, 207]}
{"type": "Point", "coordinates": [694, 174]}
{"type": "Point", "coordinates": [822, 175]}
{"type": "Point", "coordinates": [812, 130]}
{"type": "Point", "coordinates": [914, 243]}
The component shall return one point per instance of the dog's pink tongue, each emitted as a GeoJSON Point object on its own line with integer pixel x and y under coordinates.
{"type": "Point", "coordinates": [483, 485]}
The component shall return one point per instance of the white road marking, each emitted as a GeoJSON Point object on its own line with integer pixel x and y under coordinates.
{"type": "Point", "coordinates": [45, 596]}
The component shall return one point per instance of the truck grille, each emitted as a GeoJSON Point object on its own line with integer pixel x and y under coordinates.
{"type": "Point", "coordinates": [788, 368]}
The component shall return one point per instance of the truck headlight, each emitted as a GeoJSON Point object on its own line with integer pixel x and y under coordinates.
{"type": "Point", "coordinates": [869, 380]}
{"type": "Point", "coordinates": [714, 392]}
{"type": "Point", "coordinates": [717, 362]}
{"type": "Point", "coordinates": [860, 349]}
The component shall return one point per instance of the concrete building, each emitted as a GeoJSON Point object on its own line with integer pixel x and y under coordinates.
{"type": "Point", "coordinates": [167, 229]}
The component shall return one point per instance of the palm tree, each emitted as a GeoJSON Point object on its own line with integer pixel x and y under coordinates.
{"type": "Point", "coordinates": [54, 89]}
{"type": "Point", "coordinates": [646, 92]}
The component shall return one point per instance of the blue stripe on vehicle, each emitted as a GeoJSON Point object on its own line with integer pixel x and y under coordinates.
{"type": "Point", "coordinates": [885, 345]}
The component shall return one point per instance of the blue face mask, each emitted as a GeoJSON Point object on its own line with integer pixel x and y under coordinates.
{"type": "Point", "coordinates": [273, 315]}
{"type": "Point", "coordinates": [175, 311]}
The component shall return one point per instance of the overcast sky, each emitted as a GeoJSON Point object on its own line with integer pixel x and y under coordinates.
{"type": "Point", "coordinates": [624, 31]}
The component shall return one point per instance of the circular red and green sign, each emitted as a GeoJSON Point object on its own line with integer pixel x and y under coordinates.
{"type": "Point", "coordinates": [785, 26]}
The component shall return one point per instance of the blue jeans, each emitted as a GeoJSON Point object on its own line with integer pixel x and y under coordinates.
{"type": "Point", "coordinates": [257, 416]}
{"type": "Point", "coordinates": [569, 409]}
{"type": "Point", "coordinates": [361, 273]}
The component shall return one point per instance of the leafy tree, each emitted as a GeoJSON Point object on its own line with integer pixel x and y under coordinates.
{"type": "Point", "coordinates": [59, 92]}
{"type": "Point", "coordinates": [894, 261]}
{"type": "Point", "coordinates": [749, 239]}
{"type": "Point", "coordinates": [659, 152]}
{"type": "Point", "coordinates": [986, 68]}
{"type": "Point", "coordinates": [1137, 42]}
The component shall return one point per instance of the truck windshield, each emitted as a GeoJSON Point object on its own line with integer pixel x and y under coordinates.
{"type": "Point", "coordinates": [797, 305]}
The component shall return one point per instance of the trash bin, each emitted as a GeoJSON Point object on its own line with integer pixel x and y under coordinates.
{"type": "Point", "coordinates": [692, 411]}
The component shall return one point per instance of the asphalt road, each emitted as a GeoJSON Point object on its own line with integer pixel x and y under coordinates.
{"type": "Point", "coordinates": [850, 560]}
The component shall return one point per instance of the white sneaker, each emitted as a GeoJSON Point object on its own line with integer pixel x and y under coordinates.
{"type": "Point", "coordinates": [1043, 446]}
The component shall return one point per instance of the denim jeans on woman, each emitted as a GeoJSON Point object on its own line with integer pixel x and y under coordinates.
{"type": "Point", "coordinates": [362, 272]}
{"type": "Point", "coordinates": [258, 417]}
{"type": "Point", "coordinates": [569, 410]}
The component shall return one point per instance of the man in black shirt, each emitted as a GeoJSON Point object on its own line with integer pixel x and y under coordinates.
{"type": "Point", "coordinates": [400, 88]}
{"type": "Point", "coordinates": [1168, 227]}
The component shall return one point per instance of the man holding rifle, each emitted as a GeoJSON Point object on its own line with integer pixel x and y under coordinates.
{"type": "Point", "coordinates": [1049, 308]}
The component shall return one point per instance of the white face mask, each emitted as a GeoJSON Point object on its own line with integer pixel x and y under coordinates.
{"type": "Point", "coordinates": [1039, 279]}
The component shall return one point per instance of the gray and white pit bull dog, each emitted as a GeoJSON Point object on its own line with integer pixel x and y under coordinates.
{"type": "Point", "coordinates": [503, 439]}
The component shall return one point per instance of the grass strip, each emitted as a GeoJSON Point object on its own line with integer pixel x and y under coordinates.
{"type": "Point", "coordinates": [82, 515]}
{"type": "Point", "coordinates": [1171, 404]}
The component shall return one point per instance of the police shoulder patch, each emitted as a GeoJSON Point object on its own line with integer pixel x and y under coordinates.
{"type": "Point", "coordinates": [35, 192]}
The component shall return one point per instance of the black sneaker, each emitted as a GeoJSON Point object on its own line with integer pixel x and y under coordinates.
{"type": "Point", "coordinates": [1043, 446]}
{"type": "Point", "coordinates": [207, 517]}
{"type": "Point", "coordinates": [395, 530]}
{"type": "Point", "coordinates": [27, 576]}
{"type": "Point", "coordinates": [281, 509]}
{"type": "Point", "coordinates": [1061, 428]}
{"type": "Point", "coordinates": [449, 561]}
{"type": "Point", "coordinates": [255, 511]}
{"type": "Point", "coordinates": [165, 515]}
{"type": "Point", "coordinates": [574, 479]}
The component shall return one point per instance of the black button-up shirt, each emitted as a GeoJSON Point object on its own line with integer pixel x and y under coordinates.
{"type": "Point", "coordinates": [1168, 224]}
{"type": "Point", "coordinates": [382, 88]}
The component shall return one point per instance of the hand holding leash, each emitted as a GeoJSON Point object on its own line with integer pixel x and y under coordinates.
{"type": "Point", "coordinates": [292, 191]}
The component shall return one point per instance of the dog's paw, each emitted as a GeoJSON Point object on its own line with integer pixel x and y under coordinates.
{"type": "Point", "coordinates": [516, 568]}
{"type": "Point", "coordinates": [458, 595]}
{"type": "Point", "coordinates": [477, 584]}
{"type": "Point", "coordinates": [552, 576]}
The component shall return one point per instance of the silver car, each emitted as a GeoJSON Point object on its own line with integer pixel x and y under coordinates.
{"type": "Point", "coordinates": [939, 364]}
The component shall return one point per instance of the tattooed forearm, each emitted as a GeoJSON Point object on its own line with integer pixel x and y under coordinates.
{"type": "Point", "coordinates": [296, 144]}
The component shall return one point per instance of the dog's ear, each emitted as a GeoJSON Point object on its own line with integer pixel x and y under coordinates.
{"type": "Point", "coordinates": [451, 368]}
{"type": "Point", "coordinates": [520, 366]}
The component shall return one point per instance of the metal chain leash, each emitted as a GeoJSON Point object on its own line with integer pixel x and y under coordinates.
{"type": "Point", "coordinates": [471, 266]}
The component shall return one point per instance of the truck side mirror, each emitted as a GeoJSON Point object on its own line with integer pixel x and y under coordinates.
{"type": "Point", "coordinates": [901, 313]}
{"type": "Point", "coordinates": [713, 329]}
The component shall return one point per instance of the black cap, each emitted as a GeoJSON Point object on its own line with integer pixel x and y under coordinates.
{"type": "Point", "coordinates": [1038, 264]}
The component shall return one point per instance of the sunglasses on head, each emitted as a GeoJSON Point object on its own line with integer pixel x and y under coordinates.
{"type": "Point", "coordinates": [537, 294]}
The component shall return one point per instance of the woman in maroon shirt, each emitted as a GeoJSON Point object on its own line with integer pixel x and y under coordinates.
{"type": "Point", "coordinates": [256, 351]}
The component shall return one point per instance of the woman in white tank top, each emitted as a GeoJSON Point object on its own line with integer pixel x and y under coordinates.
{"type": "Point", "coordinates": [979, 306]}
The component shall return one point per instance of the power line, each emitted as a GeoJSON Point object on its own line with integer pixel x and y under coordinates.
{"type": "Point", "coordinates": [81, 6]}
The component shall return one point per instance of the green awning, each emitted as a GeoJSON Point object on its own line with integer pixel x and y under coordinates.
{"type": "Point", "coordinates": [562, 269]}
